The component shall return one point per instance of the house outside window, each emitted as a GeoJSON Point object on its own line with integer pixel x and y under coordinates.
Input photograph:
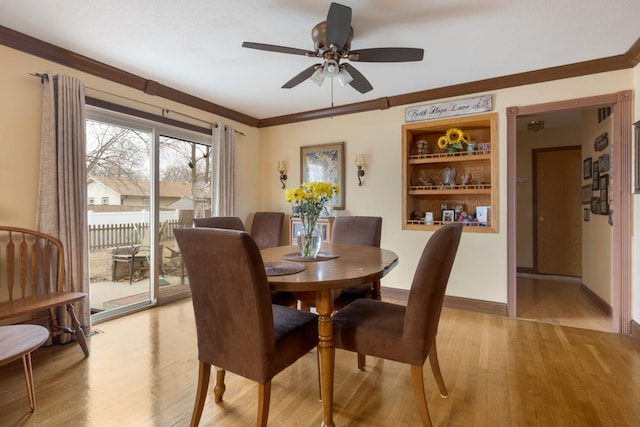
{"type": "Point", "coordinates": [105, 200]}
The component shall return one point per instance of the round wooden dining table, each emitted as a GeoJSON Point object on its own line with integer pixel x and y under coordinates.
{"type": "Point", "coordinates": [337, 266]}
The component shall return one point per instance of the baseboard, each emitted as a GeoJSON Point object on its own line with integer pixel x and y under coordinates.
{"type": "Point", "coordinates": [602, 304]}
{"type": "Point", "coordinates": [480, 306]}
{"type": "Point", "coordinates": [527, 270]}
{"type": "Point", "coordinates": [468, 304]}
{"type": "Point", "coordinates": [635, 331]}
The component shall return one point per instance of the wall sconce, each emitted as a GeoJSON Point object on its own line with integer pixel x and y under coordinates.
{"type": "Point", "coordinates": [283, 175]}
{"type": "Point", "coordinates": [360, 164]}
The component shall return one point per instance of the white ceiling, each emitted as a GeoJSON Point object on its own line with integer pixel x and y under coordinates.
{"type": "Point", "coordinates": [195, 45]}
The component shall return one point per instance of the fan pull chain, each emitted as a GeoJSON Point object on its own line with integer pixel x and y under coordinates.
{"type": "Point", "coordinates": [331, 115]}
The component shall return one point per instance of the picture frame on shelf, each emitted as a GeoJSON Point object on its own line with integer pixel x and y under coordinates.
{"type": "Point", "coordinates": [324, 162]}
{"type": "Point", "coordinates": [448, 215]}
{"type": "Point", "coordinates": [587, 192]}
{"type": "Point", "coordinates": [587, 168]}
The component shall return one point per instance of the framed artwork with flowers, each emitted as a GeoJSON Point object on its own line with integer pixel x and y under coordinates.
{"type": "Point", "coordinates": [324, 162]}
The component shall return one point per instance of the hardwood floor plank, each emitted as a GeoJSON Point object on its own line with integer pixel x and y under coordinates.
{"type": "Point", "coordinates": [499, 372]}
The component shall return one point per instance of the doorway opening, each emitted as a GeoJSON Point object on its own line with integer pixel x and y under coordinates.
{"type": "Point", "coordinates": [524, 281]}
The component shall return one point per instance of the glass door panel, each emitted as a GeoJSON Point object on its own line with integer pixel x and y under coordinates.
{"type": "Point", "coordinates": [184, 194]}
{"type": "Point", "coordinates": [119, 217]}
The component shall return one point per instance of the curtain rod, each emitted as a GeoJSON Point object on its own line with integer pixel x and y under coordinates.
{"type": "Point", "coordinates": [45, 76]}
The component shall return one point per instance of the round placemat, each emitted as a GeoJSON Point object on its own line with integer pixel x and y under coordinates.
{"type": "Point", "coordinates": [282, 268]}
{"type": "Point", "coordinates": [322, 256]}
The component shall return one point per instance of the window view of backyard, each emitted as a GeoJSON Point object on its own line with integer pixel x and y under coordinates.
{"type": "Point", "coordinates": [120, 216]}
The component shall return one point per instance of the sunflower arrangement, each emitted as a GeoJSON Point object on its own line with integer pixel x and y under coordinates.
{"type": "Point", "coordinates": [453, 140]}
{"type": "Point", "coordinates": [308, 201]}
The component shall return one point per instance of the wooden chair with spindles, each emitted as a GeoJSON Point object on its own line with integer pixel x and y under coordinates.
{"type": "Point", "coordinates": [32, 274]}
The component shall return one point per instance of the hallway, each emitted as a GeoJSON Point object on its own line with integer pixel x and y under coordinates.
{"type": "Point", "coordinates": [559, 300]}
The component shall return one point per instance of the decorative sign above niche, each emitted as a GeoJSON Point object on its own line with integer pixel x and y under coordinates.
{"type": "Point", "coordinates": [459, 107]}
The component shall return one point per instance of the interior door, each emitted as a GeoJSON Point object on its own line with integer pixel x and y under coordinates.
{"type": "Point", "coordinates": [558, 211]}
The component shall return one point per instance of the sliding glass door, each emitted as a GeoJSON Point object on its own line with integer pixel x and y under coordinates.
{"type": "Point", "coordinates": [144, 180]}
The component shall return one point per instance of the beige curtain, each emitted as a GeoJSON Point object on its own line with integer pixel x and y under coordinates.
{"type": "Point", "coordinates": [62, 191]}
{"type": "Point", "coordinates": [222, 170]}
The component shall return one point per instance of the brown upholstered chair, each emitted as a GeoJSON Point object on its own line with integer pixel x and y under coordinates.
{"type": "Point", "coordinates": [229, 287]}
{"type": "Point", "coordinates": [226, 222]}
{"type": "Point", "coordinates": [266, 228]}
{"type": "Point", "coordinates": [405, 334]}
{"type": "Point", "coordinates": [351, 230]}
{"type": "Point", "coordinates": [235, 223]}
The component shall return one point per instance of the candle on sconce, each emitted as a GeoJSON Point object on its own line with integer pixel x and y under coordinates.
{"type": "Point", "coordinates": [359, 159]}
{"type": "Point", "coordinates": [280, 165]}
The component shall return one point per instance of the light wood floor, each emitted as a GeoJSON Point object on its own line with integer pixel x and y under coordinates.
{"type": "Point", "coordinates": [559, 300]}
{"type": "Point", "coordinates": [142, 371]}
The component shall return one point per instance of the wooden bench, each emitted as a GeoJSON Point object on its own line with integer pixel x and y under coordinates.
{"type": "Point", "coordinates": [32, 277]}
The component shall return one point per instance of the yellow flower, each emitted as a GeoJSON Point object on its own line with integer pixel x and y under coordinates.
{"type": "Point", "coordinates": [443, 141]}
{"type": "Point", "coordinates": [466, 138]}
{"type": "Point", "coordinates": [454, 135]}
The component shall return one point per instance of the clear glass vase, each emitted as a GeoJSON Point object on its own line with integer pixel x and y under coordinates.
{"type": "Point", "coordinates": [309, 242]}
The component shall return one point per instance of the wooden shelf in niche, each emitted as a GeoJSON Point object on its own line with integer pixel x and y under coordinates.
{"type": "Point", "coordinates": [422, 172]}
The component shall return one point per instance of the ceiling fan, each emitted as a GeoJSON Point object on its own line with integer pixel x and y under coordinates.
{"type": "Point", "coordinates": [332, 42]}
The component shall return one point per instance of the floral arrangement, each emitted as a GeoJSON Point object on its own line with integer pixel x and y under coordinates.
{"type": "Point", "coordinates": [453, 140]}
{"type": "Point", "coordinates": [308, 201]}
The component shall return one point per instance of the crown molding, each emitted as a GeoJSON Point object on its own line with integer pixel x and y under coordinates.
{"type": "Point", "coordinates": [50, 52]}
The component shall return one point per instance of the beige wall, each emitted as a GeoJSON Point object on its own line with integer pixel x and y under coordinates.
{"type": "Point", "coordinates": [597, 234]}
{"type": "Point", "coordinates": [480, 270]}
{"type": "Point", "coordinates": [20, 119]}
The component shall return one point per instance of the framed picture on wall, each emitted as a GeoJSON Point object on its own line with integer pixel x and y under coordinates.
{"type": "Point", "coordinates": [586, 168]}
{"type": "Point", "coordinates": [587, 192]}
{"type": "Point", "coordinates": [604, 183]}
{"type": "Point", "coordinates": [596, 177]}
{"type": "Point", "coordinates": [325, 163]}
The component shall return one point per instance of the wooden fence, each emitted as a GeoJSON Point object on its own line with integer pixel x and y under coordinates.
{"type": "Point", "coordinates": [111, 235]}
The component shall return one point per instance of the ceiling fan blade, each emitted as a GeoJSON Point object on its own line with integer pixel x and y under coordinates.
{"type": "Point", "coordinates": [279, 49]}
{"type": "Point", "coordinates": [338, 25]}
{"type": "Point", "coordinates": [359, 82]}
{"type": "Point", "coordinates": [387, 54]}
{"type": "Point", "coordinates": [304, 75]}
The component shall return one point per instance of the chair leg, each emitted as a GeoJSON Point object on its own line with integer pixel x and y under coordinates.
{"type": "Point", "coordinates": [28, 378]}
{"type": "Point", "coordinates": [435, 368]}
{"type": "Point", "coordinates": [132, 260]}
{"type": "Point", "coordinates": [77, 329]}
{"type": "Point", "coordinates": [263, 403]}
{"type": "Point", "coordinates": [418, 392]}
{"type": "Point", "coordinates": [361, 361]}
{"type": "Point", "coordinates": [220, 387]}
{"type": "Point", "coordinates": [204, 370]}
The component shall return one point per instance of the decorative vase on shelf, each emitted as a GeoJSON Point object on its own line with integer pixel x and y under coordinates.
{"type": "Point", "coordinates": [309, 242]}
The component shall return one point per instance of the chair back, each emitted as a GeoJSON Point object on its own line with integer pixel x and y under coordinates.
{"type": "Point", "coordinates": [428, 287]}
{"type": "Point", "coordinates": [266, 229]}
{"type": "Point", "coordinates": [357, 230]}
{"type": "Point", "coordinates": [32, 264]}
{"type": "Point", "coordinates": [226, 222]}
{"type": "Point", "coordinates": [231, 300]}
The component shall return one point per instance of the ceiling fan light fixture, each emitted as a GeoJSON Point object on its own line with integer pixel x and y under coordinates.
{"type": "Point", "coordinates": [344, 78]}
{"type": "Point", "coordinates": [331, 68]}
{"type": "Point", "coordinates": [318, 76]}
